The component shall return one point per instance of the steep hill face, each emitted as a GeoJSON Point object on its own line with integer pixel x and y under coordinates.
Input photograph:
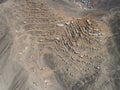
{"type": "Point", "coordinates": [59, 45]}
{"type": "Point", "coordinates": [105, 4]}
{"type": "Point", "coordinates": [99, 4]}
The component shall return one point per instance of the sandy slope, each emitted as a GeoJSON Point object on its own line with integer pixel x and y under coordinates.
{"type": "Point", "coordinates": [52, 45]}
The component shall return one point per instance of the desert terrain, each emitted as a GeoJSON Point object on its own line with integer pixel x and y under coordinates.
{"type": "Point", "coordinates": [59, 45]}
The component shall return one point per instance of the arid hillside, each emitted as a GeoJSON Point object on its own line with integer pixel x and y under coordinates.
{"type": "Point", "coordinates": [59, 45]}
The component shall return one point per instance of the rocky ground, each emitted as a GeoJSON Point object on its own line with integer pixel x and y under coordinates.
{"type": "Point", "coordinates": [59, 45]}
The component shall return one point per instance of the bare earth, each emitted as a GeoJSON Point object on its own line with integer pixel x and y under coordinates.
{"type": "Point", "coordinates": [59, 45]}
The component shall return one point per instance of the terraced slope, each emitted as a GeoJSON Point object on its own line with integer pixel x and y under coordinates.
{"type": "Point", "coordinates": [57, 52]}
